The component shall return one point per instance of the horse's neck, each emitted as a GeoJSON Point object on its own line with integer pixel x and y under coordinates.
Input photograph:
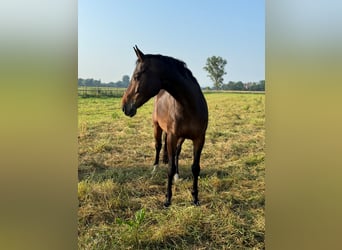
{"type": "Point", "coordinates": [185, 93]}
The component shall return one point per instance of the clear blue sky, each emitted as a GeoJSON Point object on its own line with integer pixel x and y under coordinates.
{"type": "Point", "coordinates": [188, 30]}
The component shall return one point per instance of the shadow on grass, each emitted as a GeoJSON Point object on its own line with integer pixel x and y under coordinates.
{"type": "Point", "coordinates": [101, 172]}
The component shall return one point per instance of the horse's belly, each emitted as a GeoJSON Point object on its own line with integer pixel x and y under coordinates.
{"type": "Point", "coordinates": [190, 130]}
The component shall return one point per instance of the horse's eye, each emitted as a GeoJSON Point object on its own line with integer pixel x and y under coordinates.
{"type": "Point", "coordinates": [138, 75]}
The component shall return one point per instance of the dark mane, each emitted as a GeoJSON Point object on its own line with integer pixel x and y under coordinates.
{"type": "Point", "coordinates": [176, 64]}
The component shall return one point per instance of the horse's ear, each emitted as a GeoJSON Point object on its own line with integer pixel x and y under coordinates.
{"type": "Point", "coordinates": [139, 54]}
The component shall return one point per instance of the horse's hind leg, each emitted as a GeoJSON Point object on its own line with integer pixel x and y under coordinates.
{"type": "Point", "coordinates": [171, 150]}
{"type": "Point", "coordinates": [178, 151]}
{"type": "Point", "coordinates": [198, 146]}
{"type": "Point", "coordinates": [158, 143]}
{"type": "Point", "coordinates": [165, 157]}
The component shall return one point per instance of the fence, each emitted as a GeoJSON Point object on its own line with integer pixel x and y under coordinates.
{"type": "Point", "coordinates": [84, 91]}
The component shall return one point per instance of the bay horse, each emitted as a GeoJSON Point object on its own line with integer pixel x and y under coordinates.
{"type": "Point", "coordinates": [180, 111]}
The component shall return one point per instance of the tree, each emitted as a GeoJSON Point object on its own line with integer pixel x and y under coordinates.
{"type": "Point", "coordinates": [258, 86]}
{"type": "Point", "coordinates": [215, 68]}
{"type": "Point", "coordinates": [125, 81]}
{"type": "Point", "coordinates": [234, 86]}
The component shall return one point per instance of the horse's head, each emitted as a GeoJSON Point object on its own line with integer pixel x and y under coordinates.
{"type": "Point", "coordinates": [145, 83]}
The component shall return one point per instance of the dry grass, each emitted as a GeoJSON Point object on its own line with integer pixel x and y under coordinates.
{"type": "Point", "coordinates": [115, 181]}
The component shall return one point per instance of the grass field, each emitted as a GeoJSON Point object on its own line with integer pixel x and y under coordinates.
{"type": "Point", "coordinates": [121, 202]}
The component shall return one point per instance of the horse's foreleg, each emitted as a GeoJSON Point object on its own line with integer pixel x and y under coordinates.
{"type": "Point", "coordinates": [198, 146]}
{"type": "Point", "coordinates": [158, 144]}
{"type": "Point", "coordinates": [171, 150]}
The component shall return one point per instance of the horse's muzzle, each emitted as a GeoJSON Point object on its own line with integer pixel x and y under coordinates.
{"type": "Point", "coordinates": [129, 109]}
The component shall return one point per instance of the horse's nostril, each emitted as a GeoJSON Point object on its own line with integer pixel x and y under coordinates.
{"type": "Point", "coordinates": [123, 109]}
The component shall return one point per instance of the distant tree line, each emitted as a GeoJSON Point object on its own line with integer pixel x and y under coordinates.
{"type": "Point", "coordinates": [241, 86]}
{"type": "Point", "coordinates": [250, 86]}
{"type": "Point", "coordinates": [231, 85]}
{"type": "Point", "coordinates": [97, 83]}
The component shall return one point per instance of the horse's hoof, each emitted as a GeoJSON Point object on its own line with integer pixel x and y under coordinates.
{"type": "Point", "coordinates": [176, 177]}
{"type": "Point", "coordinates": [167, 204]}
{"type": "Point", "coordinates": [196, 203]}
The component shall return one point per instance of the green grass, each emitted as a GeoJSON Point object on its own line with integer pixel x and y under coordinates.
{"type": "Point", "coordinates": [121, 202]}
